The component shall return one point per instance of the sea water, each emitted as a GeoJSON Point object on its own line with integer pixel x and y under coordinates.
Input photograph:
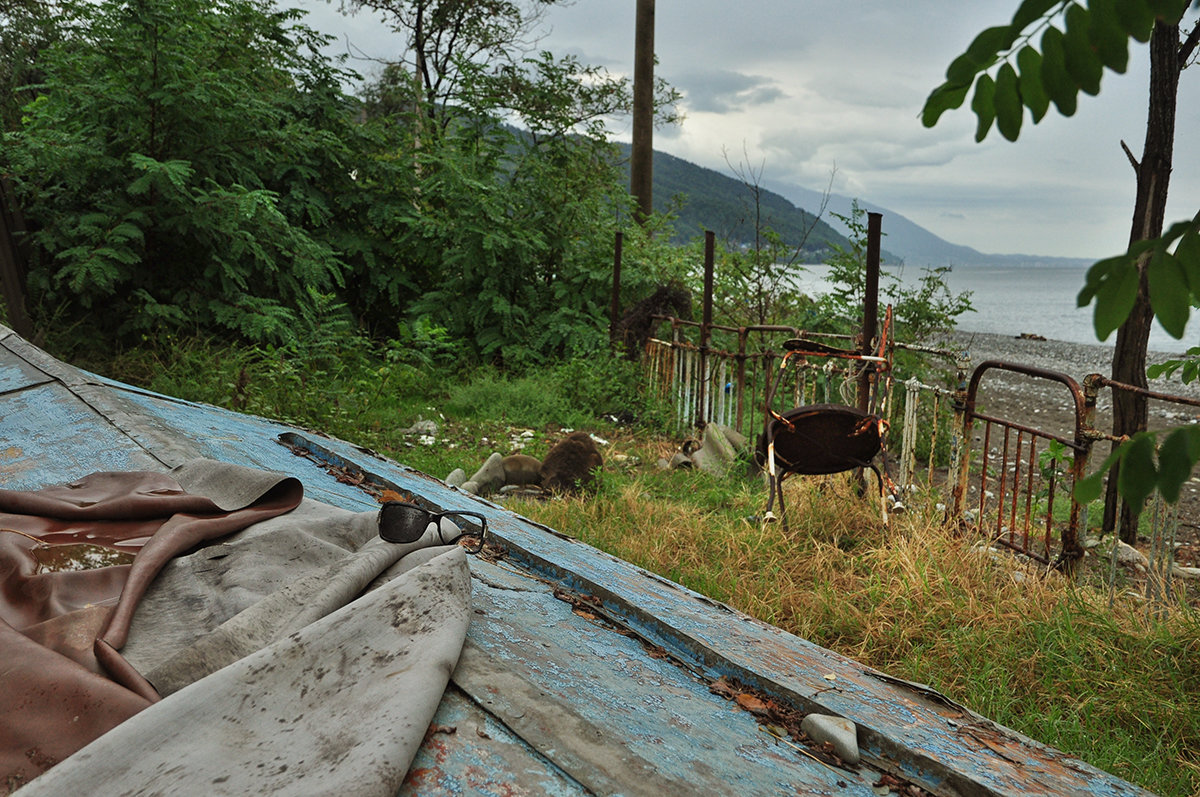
{"type": "Point", "coordinates": [1015, 300]}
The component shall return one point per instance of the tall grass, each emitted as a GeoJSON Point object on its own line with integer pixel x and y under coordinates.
{"type": "Point", "coordinates": [1045, 656]}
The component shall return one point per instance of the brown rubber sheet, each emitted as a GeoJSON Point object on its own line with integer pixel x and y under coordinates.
{"type": "Point", "coordinates": [63, 618]}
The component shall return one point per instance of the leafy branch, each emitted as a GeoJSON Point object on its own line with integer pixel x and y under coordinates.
{"type": "Point", "coordinates": [1174, 280]}
{"type": "Point", "coordinates": [1145, 466]}
{"type": "Point", "coordinates": [1072, 58]}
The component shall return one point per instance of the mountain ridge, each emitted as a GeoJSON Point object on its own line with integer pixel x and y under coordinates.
{"type": "Point", "coordinates": [706, 199]}
{"type": "Point", "coordinates": [917, 245]}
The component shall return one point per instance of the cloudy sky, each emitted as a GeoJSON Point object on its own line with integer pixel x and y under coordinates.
{"type": "Point", "coordinates": [809, 89]}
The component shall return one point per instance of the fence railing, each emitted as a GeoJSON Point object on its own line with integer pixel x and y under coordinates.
{"type": "Point", "coordinates": [1011, 477]}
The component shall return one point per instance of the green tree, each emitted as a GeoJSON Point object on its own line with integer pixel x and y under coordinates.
{"type": "Point", "coordinates": [442, 38]}
{"type": "Point", "coordinates": [756, 281]}
{"type": "Point", "coordinates": [509, 236]}
{"type": "Point", "coordinates": [918, 310]}
{"type": "Point", "coordinates": [27, 27]}
{"type": "Point", "coordinates": [1010, 75]}
{"type": "Point", "coordinates": [178, 166]}
{"type": "Point", "coordinates": [515, 196]}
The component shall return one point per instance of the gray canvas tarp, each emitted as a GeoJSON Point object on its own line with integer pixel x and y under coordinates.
{"type": "Point", "coordinates": [277, 672]}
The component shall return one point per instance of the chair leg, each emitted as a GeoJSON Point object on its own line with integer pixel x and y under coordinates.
{"type": "Point", "coordinates": [882, 494]}
{"type": "Point", "coordinates": [782, 508]}
{"type": "Point", "coordinates": [772, 484]}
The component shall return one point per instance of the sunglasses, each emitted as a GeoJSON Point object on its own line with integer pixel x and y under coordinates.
{"type": "Point", "coordinates": [400, 521]}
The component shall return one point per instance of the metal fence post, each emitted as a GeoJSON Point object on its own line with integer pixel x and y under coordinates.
{"type": "Point", "coordinates": [705, 326]}
{"type": "Point", "coordinates": [960, 442]}
{"type": "Point", "coordinates": [870, 317]}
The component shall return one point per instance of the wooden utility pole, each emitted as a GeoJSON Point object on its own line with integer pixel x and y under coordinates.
{"type": "Point", "coordinates": [641, 158]}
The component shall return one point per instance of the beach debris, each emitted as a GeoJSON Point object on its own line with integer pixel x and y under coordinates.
{"type": "Point", "coordinates": [423, 428]}
{"type": "Point", "coordinates": [457, 477]}
{"type": "Point", "coordinates": [521, 469]}
{"type": "Point", "coordinates": [489, 478]}
{"type": "Point", "coordinates": [718, 449]}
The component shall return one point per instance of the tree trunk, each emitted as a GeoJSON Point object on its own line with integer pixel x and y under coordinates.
{"type": "Point", "coordinates": [1153, 180]}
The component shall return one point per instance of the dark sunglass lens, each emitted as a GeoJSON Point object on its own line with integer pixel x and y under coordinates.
{"type": "Point", "coordinates": [400, 522]}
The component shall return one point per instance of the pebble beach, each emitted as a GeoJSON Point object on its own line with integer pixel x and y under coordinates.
{"type": "Point", "coordinates": [1074, 359]}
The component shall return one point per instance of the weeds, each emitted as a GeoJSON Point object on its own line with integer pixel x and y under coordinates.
{"type": "Point", "coordinates": [1025, 648]}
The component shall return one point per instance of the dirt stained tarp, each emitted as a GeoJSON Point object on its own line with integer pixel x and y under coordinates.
{"type": "Point", "coordinates": [250, 656]}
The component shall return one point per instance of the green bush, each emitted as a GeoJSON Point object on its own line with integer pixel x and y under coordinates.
{"type": "Point", "coordinates": [176, 165]}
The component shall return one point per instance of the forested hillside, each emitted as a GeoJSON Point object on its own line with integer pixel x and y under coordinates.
{"type": "Point", "coordinates": [709, 200]}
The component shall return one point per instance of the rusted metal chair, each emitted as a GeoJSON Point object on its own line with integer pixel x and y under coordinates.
{"type": "Point", "coordinates": [817, 440]}
{"type": "Point", "coordinates": [822, 439]}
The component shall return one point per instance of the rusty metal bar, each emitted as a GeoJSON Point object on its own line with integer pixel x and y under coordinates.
{"type": "Point", "coordinates": [1080, 444]}
{"type": "Point", "coordinates": [1003, 481]}
{"type": "Point", "coordinates": [727, 398]}
{"type": "Point", "coordinates": [983, 468]}
{"type": "Point", "coordinates": [741, 378]}
{"type": "Point", "coordinates": [706, 324]}
{"type": "Point", "coordinates": [1029, 487]}
{"type": "Point", "coordinates": [1067, 441]}
{"type": "Point", "coordinates": [1016, 487]}
{"type": "Point", "coordinates": [1029, 370]}
{"type": "Point", "coordinates": [1049, 532]}
{"type": "Point", "coordinates": [736, 376]}
{"type": "Point", "coordinates": [908, 445]}
{"type": "Point", "coordinates": [933, 438]}
{"type": "Point", "coordinates": [1103, 381]}
{"type": "Point", "coordinates": [960, 459]}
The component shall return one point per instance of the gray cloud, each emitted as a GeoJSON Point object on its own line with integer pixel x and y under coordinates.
{"type": "Point", "coordinates": [724, 91]}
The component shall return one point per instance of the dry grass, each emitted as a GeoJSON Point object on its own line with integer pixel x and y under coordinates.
{"type": "Point", "coordinates": [1027, 648]}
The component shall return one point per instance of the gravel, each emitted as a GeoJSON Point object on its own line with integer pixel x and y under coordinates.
{"type": "Point", "coordinates": [1076, 360]}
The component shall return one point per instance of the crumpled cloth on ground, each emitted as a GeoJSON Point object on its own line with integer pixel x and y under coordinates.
{"type": "Point", "coordinates": [281, 564]}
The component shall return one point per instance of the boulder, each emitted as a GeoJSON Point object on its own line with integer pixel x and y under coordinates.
{"type": "Point", "coordinates": [522, 469]}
